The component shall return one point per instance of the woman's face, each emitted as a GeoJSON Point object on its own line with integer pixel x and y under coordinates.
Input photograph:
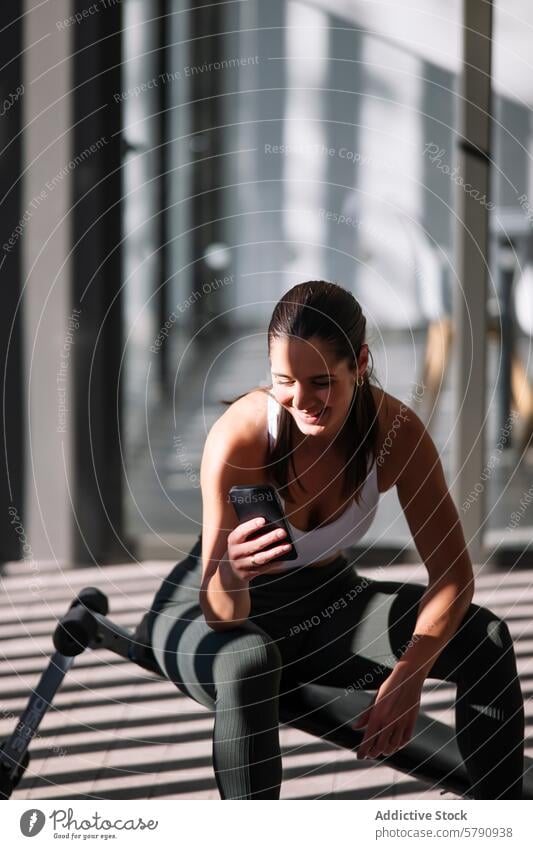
{"type": "Point", "coordinates": [314, 389]}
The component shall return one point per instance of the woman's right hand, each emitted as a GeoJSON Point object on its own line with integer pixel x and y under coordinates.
{"type": "Point", "coordinates": [241, 550]}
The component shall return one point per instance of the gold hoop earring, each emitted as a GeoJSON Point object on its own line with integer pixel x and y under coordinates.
{"type": "Point", "coordinates": [359, 382]}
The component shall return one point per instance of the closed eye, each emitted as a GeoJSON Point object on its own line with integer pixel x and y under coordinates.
{"type": "Point", "coordinates": [288, 382]}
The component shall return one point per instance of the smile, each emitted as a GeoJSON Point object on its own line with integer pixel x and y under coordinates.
{"type": "Point", "coordinates": [312, 418]}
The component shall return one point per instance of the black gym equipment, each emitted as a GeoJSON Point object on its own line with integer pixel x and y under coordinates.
{"type": "Point", "coordinates": [326, 712]}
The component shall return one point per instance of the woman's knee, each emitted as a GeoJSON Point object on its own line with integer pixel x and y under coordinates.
{"type": "Point", "coordinates": [485, 637]}
{"type": "Point", "coordinates": [490, 628]}
{"type": "Point", "coordinates": [204, 663]}
{"type": "Point", "coordinates": [248, 660]}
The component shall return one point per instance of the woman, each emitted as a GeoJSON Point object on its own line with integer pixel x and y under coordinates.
{"type": "Point", "coordinates": [233, 630]}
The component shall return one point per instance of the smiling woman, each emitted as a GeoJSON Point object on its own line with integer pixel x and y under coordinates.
{"type": "Point", "coordinates": [234, 630]}
{"type": "Point", "coordinates": [319, 363]}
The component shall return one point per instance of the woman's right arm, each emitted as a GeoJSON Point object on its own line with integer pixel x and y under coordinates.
{"type": "Point", "coordinates": [224, 598]}
{"type": "Point", "coordinates": [232, 455]}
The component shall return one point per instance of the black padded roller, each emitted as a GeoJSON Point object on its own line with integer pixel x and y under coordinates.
{"type": "Point", "coordinates": [75, 631]}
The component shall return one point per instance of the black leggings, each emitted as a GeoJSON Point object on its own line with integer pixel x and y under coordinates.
{"type": "Point", "coordinates": [329, 625]}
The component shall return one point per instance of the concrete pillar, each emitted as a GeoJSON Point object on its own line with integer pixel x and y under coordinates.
{"type": "Point", "coordinates": [470, 285]}
{"type": "Point", "coordinates": [49, 327]}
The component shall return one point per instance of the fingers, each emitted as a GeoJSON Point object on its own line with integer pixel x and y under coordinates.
{"type": "Point", "coordinates": [394, 742]}
{"type": "Point", "coordinates": [240, 533]}
{"type": "Point", "coordinates": [380, 740]}
{"type": "Point", "coordinates": [253, 546]}
{"type": "Point", "coordinates": [245, 550]}
{"type": "Point", "coordinates": [363, 719]}
{"type": "Point", "coordinates": [248, 547]}
{"type": "Point", "coordinates": [262, 561]}
{"type": "Point", "coordinates": [386, 730]}
{"type": "Point", "coordinates": [366, 747]}
{"type": "Point", "coordinates": [257, 553]}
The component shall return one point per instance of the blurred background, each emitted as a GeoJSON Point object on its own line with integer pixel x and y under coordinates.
{"type": "Point", "coordinates": [169, 169]}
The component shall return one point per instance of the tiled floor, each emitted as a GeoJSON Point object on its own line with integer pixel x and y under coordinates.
{"type": "Point", "coordinates": [116, 731]}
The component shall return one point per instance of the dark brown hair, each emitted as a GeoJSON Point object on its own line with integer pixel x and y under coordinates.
{"type": "Point", "coordinates": [325, 310]}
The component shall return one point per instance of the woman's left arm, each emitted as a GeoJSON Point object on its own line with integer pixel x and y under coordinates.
{"type": "Point", "coordinates": [436, 528]}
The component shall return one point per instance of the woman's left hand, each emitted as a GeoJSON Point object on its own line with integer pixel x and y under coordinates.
{"type": "Point", "coordinates": [391, 717]}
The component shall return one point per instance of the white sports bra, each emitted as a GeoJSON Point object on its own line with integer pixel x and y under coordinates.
{"type": "Point", "coordinates": [322, 543]}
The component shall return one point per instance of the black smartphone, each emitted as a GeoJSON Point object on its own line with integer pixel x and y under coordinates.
{"type": "Point", "coordinates": [252, 502]}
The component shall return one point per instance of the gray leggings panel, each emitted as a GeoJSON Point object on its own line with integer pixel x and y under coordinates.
{"type": "Point", "coordinates": [200, 660]}
{"type": "Point", "coordinates": [236, 673]}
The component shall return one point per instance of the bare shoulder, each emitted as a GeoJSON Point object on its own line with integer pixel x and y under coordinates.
{"type": "Point", "coordinates": [242, 428]}
{"type": "Point", "coordinates": [400, 433]}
